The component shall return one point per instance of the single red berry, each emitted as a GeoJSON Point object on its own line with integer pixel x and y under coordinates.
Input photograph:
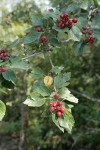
{"type": "Point", "coordinates": [51, 103]}
{"type": "Point", "coordinates": [84, 28]}
{"type": "Point", "coordinates": [3, 51]}
{"type": "Point", "coordinates": [58, 114]}
{"type": "Point", "coordinates": [54, 104]}
{"type": "Point", "coordinates": [3, 58]}
{"type": "Point", "coordinates": [62, 25]}
{"type": "Point", "coordinates": [43, 39]}
{"type": "Point", "coordinates": [58, 108]}
{"type": "Point", "coordinates": [58, 21]}
{"type": "Point", "coordinates": [62, 110]}
{"type": "Point", "coordinates": [52, 108]}
{"type": "Point", "coordinates": [92, 40]}
{"type": "Point", "coordinates": [87, 40]}
{"type": "Point", "coordinates": [38, 29]}
{"type": "Point", "coordinates": [59, 103]}
{"type": "Point", "coordinates": [0, 70]}
{"type": "Point", "coordinates": [84, 32]}
{"type": "Point", "coordinates": [69, 21]}
{"type": "Point", "coordinates": [5, 54]}
{"type": "Point", "coordinates": [90, 32]}
{"type": "Point", "coordinates": [3, 69]}
{"type": "Point", "coordinates": [56, 96]}
{"type": "Point", "coordinates": [74, 20]}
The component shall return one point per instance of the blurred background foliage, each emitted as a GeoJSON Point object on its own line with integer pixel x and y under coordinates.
{"type": "Point", "coordinates": [25, 128]}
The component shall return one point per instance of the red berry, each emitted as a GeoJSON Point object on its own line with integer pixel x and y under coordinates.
{"type": "Point", "coordinates": [74, 20]}
{"type": "Point", "coordinates": [54, 104]}
{"type": "Point", "coordinates": [69, 21]}
{"type": "Point", "coordinates": [59, 103]}
{"type": "Point", "coordinates": [84, 28]}
{"type": "Point", "coordinates": [84, 32]}
{"type": "Point", "coordinates": [38, 29]}
{"type": "Point", "coordinates": [5, 54]}
{"type": "Point", "coordinates": [52, 108]}
{"type": "Point", "coordinates": [87, 40]}
{"type": "Point", "coordinates": [92, 40]}
{"type": "Point", "coordinates": [58, 21]}
{"type": "Point", "coordinates": [56, 96]}
{"type": "Point", "coordinates": [89, 32]}
{"type": "Point", "coordinates": [62, 110]}
{"type": "Point", "coordinates": [51, 103]}
{"type": "Point", "coordinates": [3, 69]}
{"type": "Point", "coordinates": [58, 114]}
{"type": "Point", "coordinates": [0, 70]}
{"type": "Point", "coordinates": [43, 39]}
{"type": "Point", "coordinates": [58, 108]}
{"type": "Point", "coordinates": [2, 51]}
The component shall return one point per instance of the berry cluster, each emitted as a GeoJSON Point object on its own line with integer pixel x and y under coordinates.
{"type": "Point", "coordinates": [89, 39]}
{"type": "Point", "coordinates": [65, 21]}
{"type": "Point", "coordinates": [3, 54]}
{"type": "Point", "coordinates": [2, 70]}
{"type": "Point", "coordinates": [56, 106]}
{"type": "Point", "coordinates": [43, 39]}
{"type": "Point", "coordinates": [37, 28]}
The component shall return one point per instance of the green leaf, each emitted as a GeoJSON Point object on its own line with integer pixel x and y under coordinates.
{"type": "Point", "coordinates": [54, 14]}
{"type": "Point", "coordinates": [18, 63]}
{"type": "Point", "coordinates": [36, 20]}
{"type": "Point", "coordinates": [14, 43]}
{"type": "Point", "coordinates": [55, 42]}
{"type": "Point", "coordinates": [55, 120]}
{"type": "Point", "coordinates": [37, 73]}
{"type": "Point", "coordinates": [2, 110]}
{"type": "Point", "coordinates": [84, 4]}
{"type": "Point", "coordinates": [66, 95]}
{"type": "Point", "coordinates": [56, 69]}
{"type": "Point", "coordinates": [9, 75]}
{"type": "Point", "coordinates": [72, 7]}
{"type": "Point", "coordinates": [34, 102]}
{"type": "Point", "coordinates": [75, 34]}
{"type": "Point", "coordinates": [96, 22]}
{"type": "Point", "coordinates": [78, 47]}
{"type": "Point", "coordinates": [40, 88]}
{"type": "Point", "coordinates": [32, 37]}
{"type": "Point", "coordinates": [67, 122]}
{"type": "Point", "coordinates": [97, 34]}
{"type": "Point", "coordinates": [60, 81]}
{"type": "Point", "coordinates": [96, 2]}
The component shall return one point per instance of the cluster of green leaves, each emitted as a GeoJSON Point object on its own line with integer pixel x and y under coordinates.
{"type": "Point", "coordinates": [43, 94]}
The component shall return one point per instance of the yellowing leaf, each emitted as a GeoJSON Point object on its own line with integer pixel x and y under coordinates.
{"type": "Point", "coordinates": [48, 80]}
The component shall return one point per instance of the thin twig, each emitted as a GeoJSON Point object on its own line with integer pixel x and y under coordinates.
{"type": "Point", "coordinates": [33, 55]}
{"type": "Point", "coordinates": [36, 54]}
{"type": "Point", "coordinates": [85, 96]}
